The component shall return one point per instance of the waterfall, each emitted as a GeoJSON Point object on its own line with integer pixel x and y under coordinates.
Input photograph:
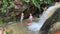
{"type": "Point", "coordinates": [37, 26]}
{"type": "Point", "coordinates": [44, 17]}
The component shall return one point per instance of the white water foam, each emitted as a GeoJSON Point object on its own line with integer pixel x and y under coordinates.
{"type": "Point", "coordinates": [37, 26]}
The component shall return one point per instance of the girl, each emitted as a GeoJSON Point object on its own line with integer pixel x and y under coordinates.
{"type": "Point", "coordinates": [22, 16]}
{"type": "Point", "coordinates": [30, 20]}
{"type": "Point", "coordinates": [30, 17]}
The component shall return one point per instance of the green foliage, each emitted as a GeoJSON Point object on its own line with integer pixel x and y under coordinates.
{"type": "Point", "coordinates": [12, 4]}
{"type": "Point", "coordinates": [26, 1]}
{"type": "Point", "coordinates": [49, 1]}
{"type": "Point", "coordinates": [1, 22]}
{"type": "Point", "coordinates": [38, 3]}
{"type": "Point", "coordinates": [5, 5]}
{"type": "Point", "coordinates": [34, 2]}
{"type": "Point", "coordinates": [7, 33]}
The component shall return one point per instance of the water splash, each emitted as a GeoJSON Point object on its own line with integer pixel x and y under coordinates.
{"type": "Point", "coordinates": [37, 26]}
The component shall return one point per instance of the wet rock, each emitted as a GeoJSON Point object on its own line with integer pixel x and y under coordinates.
{"type": "Point", "coordinates": [55, 28]}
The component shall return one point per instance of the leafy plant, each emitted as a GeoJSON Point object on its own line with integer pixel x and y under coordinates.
{"type": "Point", "coordinates": [26, 1]}
{"type": "Point", "coordinates": [7, 33]}
{"type": "Point", "coordinates": [1, 22]}
{"type": "Point", "coordinates": [7, 3]}
{"type": "Point", "coordinates": [38, 3]}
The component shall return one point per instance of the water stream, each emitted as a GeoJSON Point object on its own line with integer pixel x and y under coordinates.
{"type": "Point", "coordinates": [37, 26]}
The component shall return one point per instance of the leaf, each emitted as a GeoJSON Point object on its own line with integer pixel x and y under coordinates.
{"type": "Point", "coordinates": [5, 5]}
{"type": "Point", "coordinates": [36, 3]}
{"type": "Point", "coordinates": [4, 10]}
{"type": "Point", "coordinates": [1, 22]}
{"type": "Point", "coordinates": [27, 1]}
{"type": "Point", "coordinates": [12, 3]}
{"type": "Point", "coordinates": [7, 33]}
{"type": "Point", "coordinates": [41, 0]}
{"type": "Point", "coordinates": [49, 1]}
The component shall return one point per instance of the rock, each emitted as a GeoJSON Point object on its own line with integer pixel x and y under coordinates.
{"type": "Point", "coordinates": [55, 28]}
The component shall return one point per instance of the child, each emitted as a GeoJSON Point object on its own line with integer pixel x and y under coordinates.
{"type": "Point", "coordinates": [30, 17]}
{"type": "Point", "coordinates": [22, 16]}
{"type": "Point", "coordinates": [30, 20]}
{"type": "Point", "coordinates": [2, 31]}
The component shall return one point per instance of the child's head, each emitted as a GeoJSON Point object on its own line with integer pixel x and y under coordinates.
{"type": "Point", "coordinates": [22, 13]}
{"type": "Point", "coordinates": [30, 14]}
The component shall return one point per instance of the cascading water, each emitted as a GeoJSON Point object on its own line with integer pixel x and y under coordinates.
{"type": "Point", "coordinates": [37, 26]}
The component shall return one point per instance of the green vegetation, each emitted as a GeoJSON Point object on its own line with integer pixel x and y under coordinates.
{"type": "Point", "coordinates": [1, 22]}
{"type": "Point", "coordinates": [38, 3]}
{"type": "Point", "coordinates": [7, 33]}
{"type": "Point", "coordinates": [11, 9]}
{"type": "Point", "coordinates": [6, 4]}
